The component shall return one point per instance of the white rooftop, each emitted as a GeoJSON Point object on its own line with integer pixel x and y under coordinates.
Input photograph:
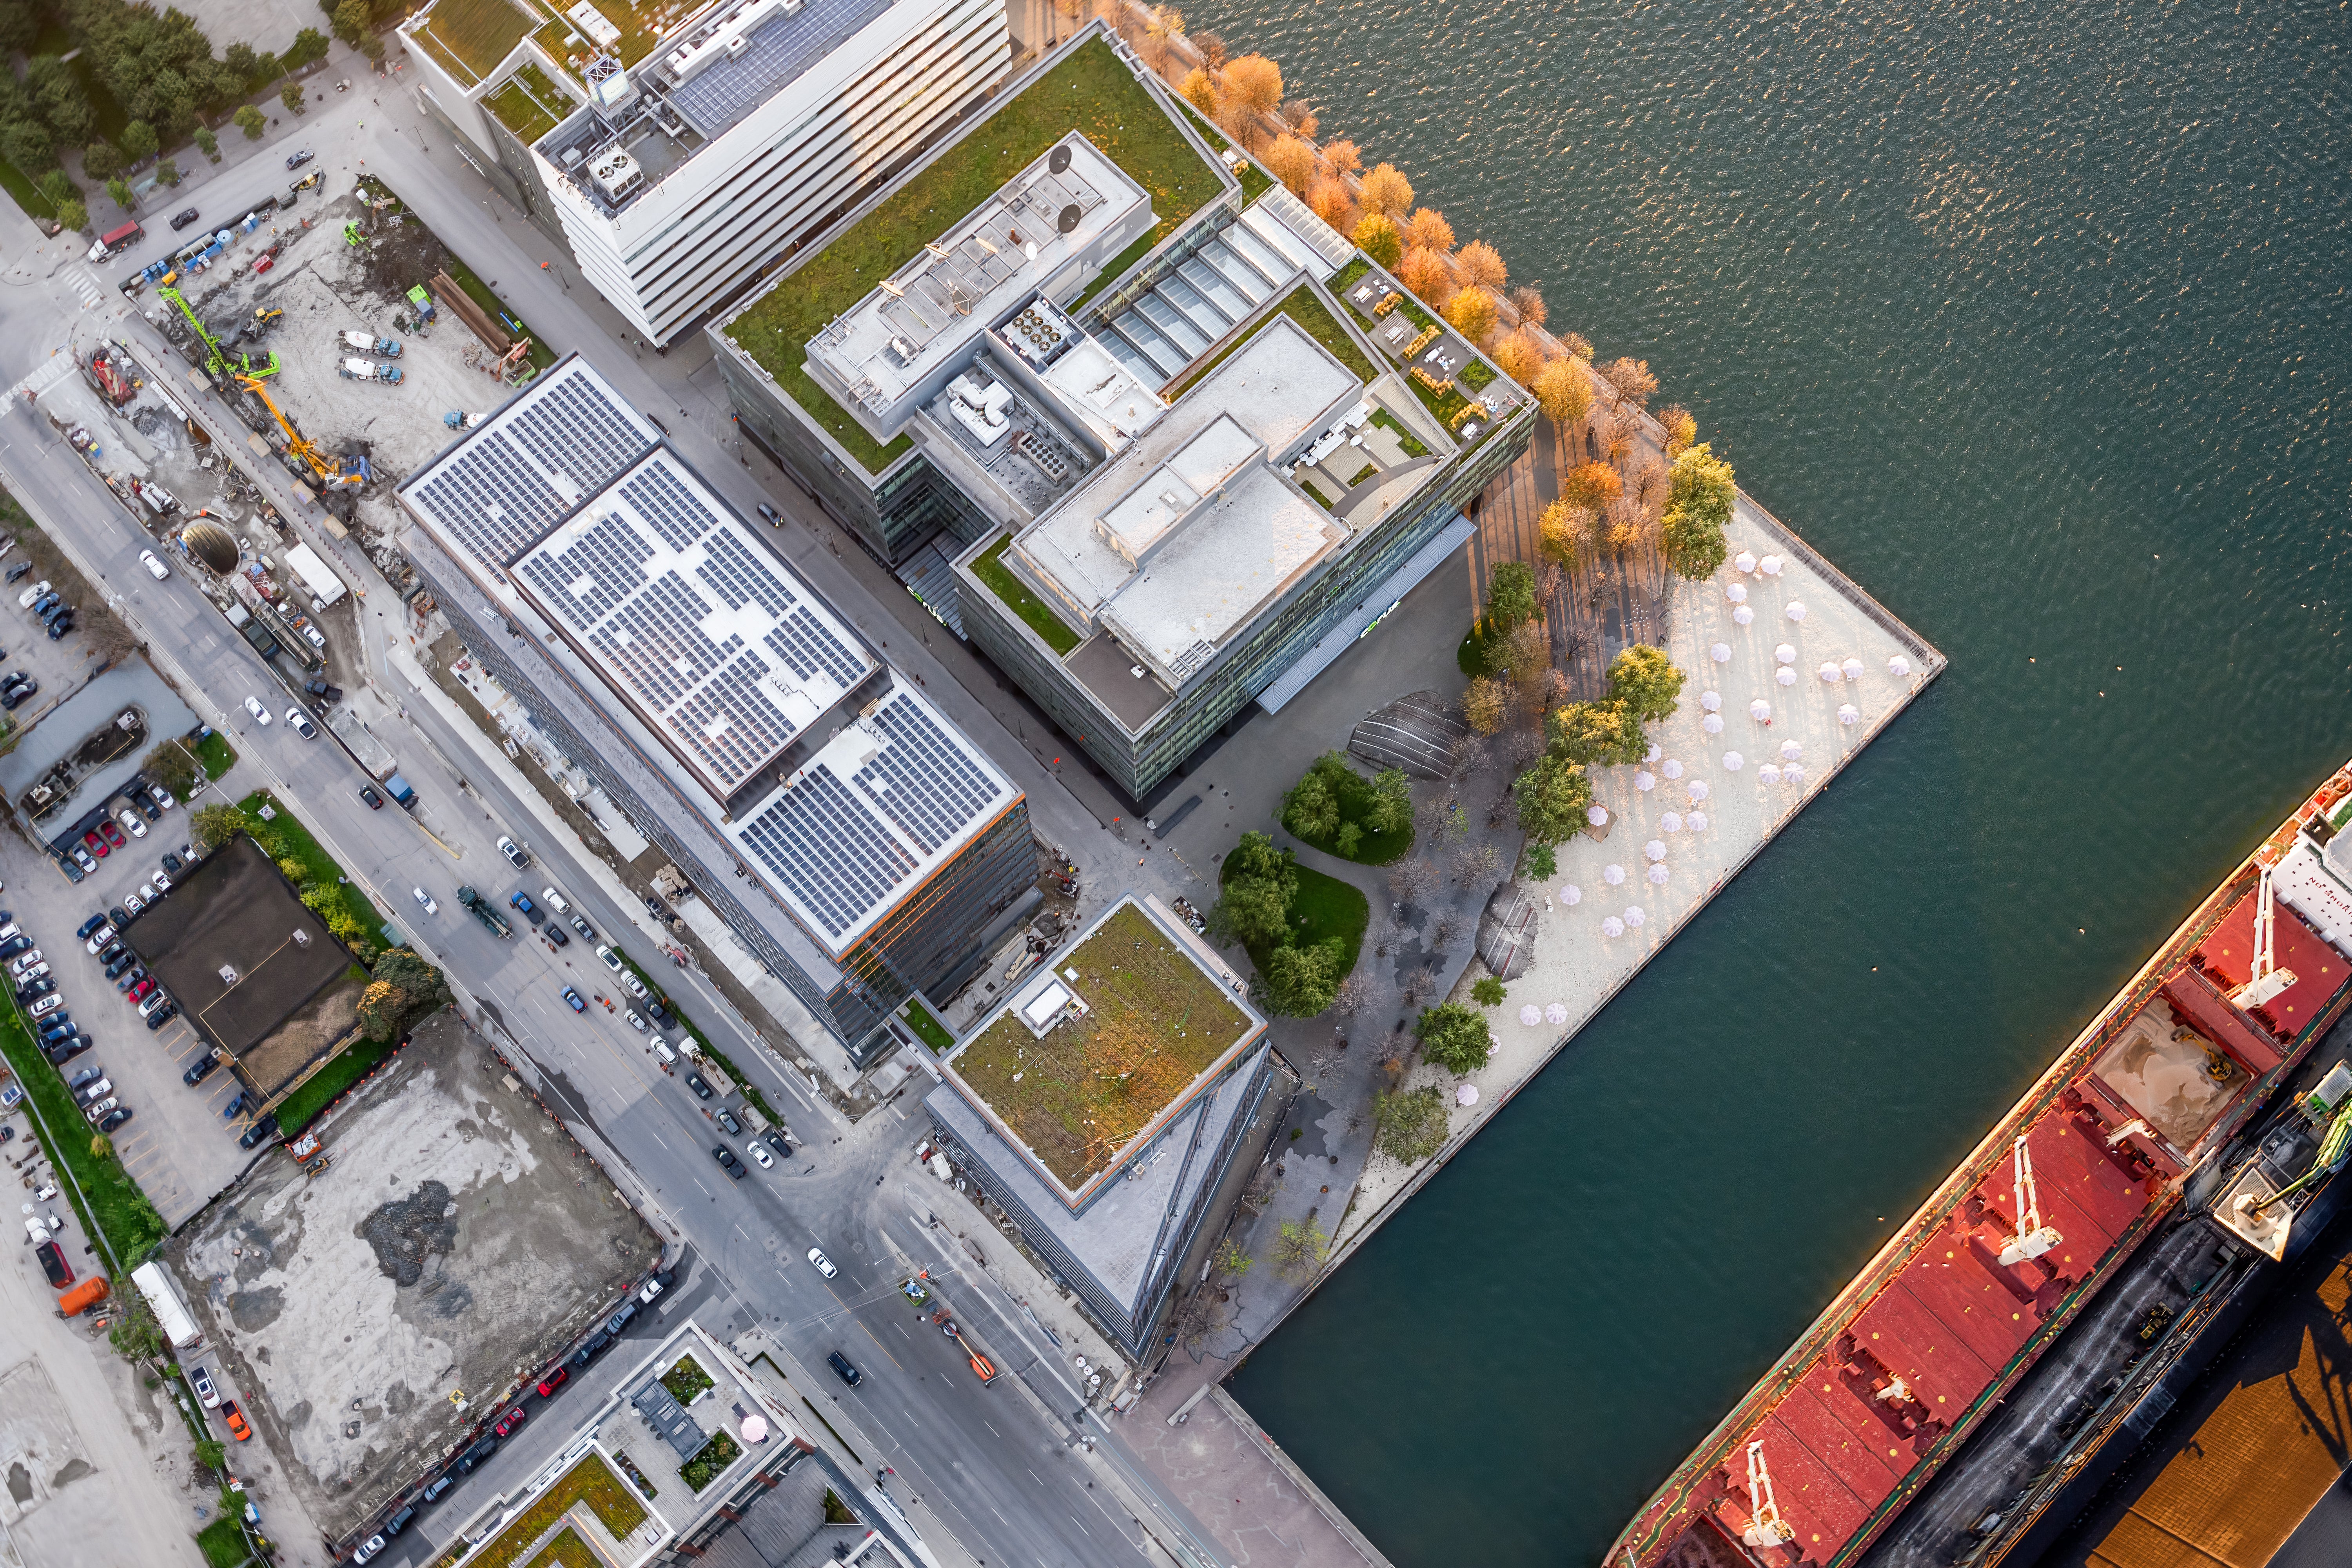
{"type": "Point", "coordinates": [1103, 395]}
{"type": "Point", "coordinates": [889, 346]}
{"type": "Point", "coordinates": [1190, 531]}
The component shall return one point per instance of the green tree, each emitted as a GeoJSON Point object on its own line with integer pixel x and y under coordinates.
{"type": "Point", "coordinates": [1646, 681]}
{"type": "Point", "coordinates": [168, 172]}
{"type": "Point", "coordinates": [139, 141]}
{"type": "Point", "coordinates": [1510, 595]}
{"type": "Point", "coordinates": [135, 1336]}
{"type": "Point", "coordinates": [214, 825]}
{"type": "Point", "coordinates": [252, 121]}
{"type": "Point", "coordinates": [57, 187]}
{"type": "Point", "coordinates": [247, 65]}
{"type": "Point", "coordinates": [352, 19]}
{"type": "Point", "coordinates": [1488, 992]}
{"type": "Point", "coordinates": [1542, 863]}
{"type": "Point", "coordinates": [56, 94]}
{"type": "Point", "coordinates": [101, 1147]}
{"type": "Point", "coordinates": [1299, 981]}
{"type": "Point", "coordinates": [119, 190]}
{"type": "Point", "coordinates": [1596, 733]}
{"type": "Point", "coordinates": [208, 142]}
{"type": "Point", "coordinates": [1311, 808]}
{"type": "Point", "coordinates": [1552, 796]}
{"type": "Point", "coordinates": [1300, 1246]}
{"type": "Point", "coordinates": [1232, 1259]}
{"type": "Point", "coordinates": [291, 95]}
{"type": "Point", "coordinates": [101, 159]}
{"type": "Point", "coordinates": [308, 44]}
{"type": "Point", "coordinates": [1698, 505]}
{"type": "Point", "coordinates": [1454, 1037]}
{"type": "Point", "coordinates": [1259, 883]}
{"type": "Point", "coordinates": [1390, 807]}
{"type": "Point", "coordinates": [1348, 840]}
{"type": "Point", "coordinates": [1411, 1126]}
{"type": "Point", "coordinates": [404, 987]}
{"type": "Point", "coordinates": [212, 1454]}
{"type": "Point", "coordinates": [72, 215]}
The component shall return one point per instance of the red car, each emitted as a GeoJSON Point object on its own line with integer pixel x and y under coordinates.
{"type": "Point", "coordinates": [508, 1423]}
{"type": "Point", "coordinates": [114, 833]}
{"type": "Point", "coordinates": [554, 1380]}
{"type": "Point", "coordinates": [97, 844]}
{"type": "Point", "coordinates": [139, 991]}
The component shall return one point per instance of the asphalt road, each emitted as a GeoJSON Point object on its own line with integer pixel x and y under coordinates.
{"type": "Point", "coordinates": [1006, 1479]}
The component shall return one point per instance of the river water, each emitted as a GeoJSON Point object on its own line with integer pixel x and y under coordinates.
{"type": "Point", "coordinates": [2032, 318]}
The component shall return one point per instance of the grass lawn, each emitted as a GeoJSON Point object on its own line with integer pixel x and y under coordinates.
{"type": "Point", "coordinates": [1356, 798]}
{"type": "Point", "coordinates": [928, 1029]}
{"type": "Point", "coordinates": [566, 1549]}
{"type": "Point", "coordinates": [528, 104]}
{"type": "Point", "coordinates": [990, 568]}
{"type": "Point", "coordinates": [1091, 92]}
{"type": "Point", "coordinates": [222, 1544]}
{"type": "Point", "coordinates": [1302, 307]}
{"type": "Point", "coordinates": [217, 754]}
{"type": "Point", "coordinates": [1323, 907]}
{"type": "Point", "coordinates": [471, 36]}
{"type": "Point", "coordinates": [107, 1200]}
{"type": "Point", "coordinates": [1414, 447]}
{"type": "Point", "coordinates": [591, 1481]}
{"type": "Point", "coordinates": [284, 837]}
{"type": "Point", "coordinates": [1255, 181]}
{"type": "Point", "coordinates": [27, 195]}
{"type": "Point", "coordinates": [320, 1090]}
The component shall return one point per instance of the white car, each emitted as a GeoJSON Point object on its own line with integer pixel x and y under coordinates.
{"type": "Point", "coordinates": [23, 962]}
{"type": "Point", "coordinates": [612, 960]}
{"type": "Point", "coordinates": [824, 1264]}
{"type": "Point", "coordinates": [163, 883]}
{"type": "Point", "coordinates": [426, 899]}
{"type": "Point", "coordinates": [155, 568]}
{"type": "Point", "coordinates": [148, 890]}
{"type": "Point", "coordinates": [98, 940]}
{"type": "Point", "coordinates": [636, 1021]}
{"type": "Point", "coordinates": [260, 714]}
{"type": "Point", "coordinates": [132, 823]}
{"type": "Point", "coordinates": [759, 1152]}
{"type": "Point", "coordinates": [164, 798]}
{"type": "Point", "coordinates": [155, 999]}
{"type": "Point", "coordinates": [300, 725]}
{"type": "Point", "coordinates": [200, 1381]}
{"type": "Point", "coordinates": [633, 985]}
{"type": "Point", "coordinates": [47, 1005]}
{"type": "Point", "coordinates": [24, 600]}
{"type": "Point", "coordinates": [132, 903]}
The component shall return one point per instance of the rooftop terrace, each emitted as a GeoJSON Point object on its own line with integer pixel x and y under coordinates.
{"type": "Point", "coordinates": [469, 37]}
{"type": "Point", "coordinates": [1089, 90]}
{"type": "Point", "coordinates": [1092, 1057]}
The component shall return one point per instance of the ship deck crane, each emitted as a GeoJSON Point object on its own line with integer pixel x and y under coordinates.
{"type": "Point", "coordinates": [2032, 1239]}
{"type": "Point", "coordinates": [217, 361]}
{"type": "Point", "coordinates": [349, 473]}
{"type": "Point", "coordinates": [2265, 980]}
{"type": "Point", "coordinates": [1766, 1528]}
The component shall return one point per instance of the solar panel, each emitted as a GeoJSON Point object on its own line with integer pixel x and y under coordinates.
{"type": "Point", "coordinates": [828, 850]}
{"type": "Point", "coordinates": [726, 90]}
{"type": "Point", "coordinates": [667, 505]}
{"type": "Point", "coordinates": [585, 579]}
{"type": "Point", "coordinates": [922, 781]}
{"type": "Point", "coordinates": [729, 724]}
{"type": "Point", "coordinates": [492, 500]}
{"type": "Point", "coordinates": [740, 580]}
{"type": "Point", "coordinates": [574, 431]}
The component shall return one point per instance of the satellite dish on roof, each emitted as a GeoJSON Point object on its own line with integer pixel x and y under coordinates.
{"type": "Point", "coordinates": [1059, 158]}
{"type": "Point", "coordinates": [1068, 219]}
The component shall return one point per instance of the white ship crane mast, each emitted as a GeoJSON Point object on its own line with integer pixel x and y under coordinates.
{"type": "Point", "coordinates": [2265, 980]}
{"type": "Point", "coordinates": [1766, 1528]}
{"type": "Point", "coordinates": [2032, 1239]}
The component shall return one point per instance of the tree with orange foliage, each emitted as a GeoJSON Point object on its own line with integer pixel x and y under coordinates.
{"type": "Point", "coordinates": [1254, 82]}
{"type": "Point", "coordinates": [1301, 116]}
{"type": "Point", "coordinates": [1563, 387]}
{"type": "Point", "coordinates": [1333, 204]}
{"type": "Point", "coordinates": [1681, 429]}
{"type": "Point", "coordinates": [1473, 313]}
{"type": "Point", "coordinates": [1529, 303]}
{"type": "Point", "coordinates": [1341, 158]}
{"type": "Point", "coordinates": [1593, 485]}
{"type": "Point", "coordinates": [1519, 356]}
{"type": "Point", "coordinates": [1293, 163]}
{"type": "Point", "coordinates": [1199, 92]}
{"type": "Point", "coordinates": [1482, 264]}
{"type": "Point", "coordinates": [1632, 380]}
{"type": "Point", "coordinates": [1424, 272]}
{"type": "Point", "coordinates": [1377, 236]}
{"type": "Point", "coordinates": [1213, 50]}
{"type": "Point", "coordinates": [1385, 190]}
{"type": "Point", "coordinates": [1428, 230]}
{"type": "Point", "coordinates": [1578, 345]}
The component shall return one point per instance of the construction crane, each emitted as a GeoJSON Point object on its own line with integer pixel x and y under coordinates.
{"type": "Point", "coordinates": [217, 361]}
{"type": "Point", "coordinates": [2032, 1239]}
{"type": "Point", "coordinates": [334, 473]}
{"type": "Point", "coordinates": [1766, 1528]}
{"type": "Point", "coordinates": [2266, 979]}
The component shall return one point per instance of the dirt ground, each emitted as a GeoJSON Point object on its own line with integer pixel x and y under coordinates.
{"type": "Point", "coordinates": [377, 1313]}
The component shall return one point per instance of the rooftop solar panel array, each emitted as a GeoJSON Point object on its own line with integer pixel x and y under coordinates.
{"type": "Point", "coordinates": [573, 429]}
{"type": "Point", "coordinates": [495, 504]}
{"type": "Point", "coordinates": [593, 574]}
{"type": "Point", "coordinates": [836, 858]}
{"type": "Point", "coordinates": [922, 781]}
{"type": "Point", "coordinates": [668, 506]}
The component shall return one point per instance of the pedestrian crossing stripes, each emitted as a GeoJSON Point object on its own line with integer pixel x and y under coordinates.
{"type": "Point", "coordinates": [86, 284]}
{"type": "Point", "coordinates": [58, 367]}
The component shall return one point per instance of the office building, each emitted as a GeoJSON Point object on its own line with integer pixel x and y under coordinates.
{"type": "Point", "coordinates": [1138, 425]}
{"type": "Point", "coordinates": [1101, 1105]}
{"type": "Point", "coordinates": [678, 148]}
{"type": "Point", "coordinates": [856, 843]}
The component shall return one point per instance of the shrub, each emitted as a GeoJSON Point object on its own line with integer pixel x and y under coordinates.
{"type": "Point", "coordinates": [1542, 862]}
{"type": "Point", "coordinates": [1488, 992]}
{"type": "Point", "coordinates": [1454, 1037]}
{"type": "Point", "coordinates": [72, 215]}
{"type": "Point", "coordinates": [308, 44]}
{"type": "Point", "coordinates": [293, 97]}
{"type": "Point", "coordinates": [168, 172]}
{"type": "Point", "coordinates": [1301, 1244]}
{"type": "Point", "coordinates": [101, 159]}
{"type": "Point", "coordinates": [1484, 704]}
{"type": "Point", "coordinates": [57, 186]}
{"type": "Point", "coordinates": [119, 192]}
{"type": "Point", "coordinates": [1595, 733]}
{"type": "Point", "coordinates": [207, 142]}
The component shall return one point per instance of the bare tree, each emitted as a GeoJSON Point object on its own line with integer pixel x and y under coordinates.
{"type": "Point", "coordinates": [1551, 578]}
{"type": "Point", "coordinates": [1646, 482]}
{"type": "Point", "coordinates": [1632, 380]}
{"type": "Point", "coordinates": [1411, 879]}
{"type": "Point", "coordinates": [1355, 994]}
{"type": "Point", "coordinates": [1444, 932]}
{"type": "Point", "coordinates": [1470, 756]}
{"type": "Point", "coordinates": [1526, 744]}
{"type": "Point", "coordinates": [1529, 303]}
{"type": "Point", "coordinates": [1476, 863]}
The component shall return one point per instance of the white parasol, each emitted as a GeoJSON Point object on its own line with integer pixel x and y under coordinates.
{"type": "Point", "coordinates": [1654, 753]}
{"type": "Point", "coordinates": [1769, 566]}
{"type": "Point", "coordinates": [1657, 875]}
{"type": "Point", "coordinates": [1737, 593]}
{"type": "Point", "coordinates": [1697, 791]}
{"type": "Point", "coordinates": [1898, 666]}
{"type": "Point", "coordinates": [1733, 762]}
{"type": "Point", "coordinates": [1745, 561]}
{"type": "Point", "coordinates": [1769, 773]}
{"type": "Point", "coordinates": [1613, 926]}
{"type": "Point", "coordinates": [1671, 768]}
{"type": "Point", "coordinates": [1613, 874]}
{"type": "Point", "coordinates": [1671, 823]}
{"type": "Point", "coordinates": [1790, 750]}
{"type": "Point", "coordinates": [1656, 849]}
{"type": "Point", "coordinates": [1710, 700]}
{"type": "Point", "coordinates": [1852, 668]}
{"type": "Point", "coordinates": [1792, 774]}
{"type": "Point", "coordinates": [1712, 724]}
{"type": "Point", "coordinates": [1634, 915]}
{"type": "Point", "coordinates": [1760, 711]}
{"type": "Point", "coordinates": [1572, 894]}
{"type": "Point", "coordinates": [1785, 676]}
{"type": "Point", "coordinates": [1720, 653]}
{"type": "Point", "coordinates": [1849, 714]}
{"type": "Point", "coordinates": [1466, 1094]}
{"type": "Point", "coordinates": [1597, 815]}
{"type": "Point", "coordinates": [1784, 654]}
{"type": "Point", "coordinates": [1744, 616]}
{"type": "Point", "coordinates": [1796, 610]}
{"type": "Point", "coordinates": [1530, 1015]}
{"type": "Point", "coordinates": [1645, 780]}
{"type": "Point", "coordinates": [1556, 1014]}
{"type": "Point", "coordinates": [1695, 822]}
{"type": "Point", "coordinates": [1831, 673]}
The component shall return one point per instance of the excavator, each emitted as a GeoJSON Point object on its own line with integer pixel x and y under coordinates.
{"type": "Point", "coordinates": [346, 473]}
{"type": "Point", "coordinates": [218, 362]}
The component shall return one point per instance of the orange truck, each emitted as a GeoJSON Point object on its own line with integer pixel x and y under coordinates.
{"type": "Point", "coordinates": [88, 1293]}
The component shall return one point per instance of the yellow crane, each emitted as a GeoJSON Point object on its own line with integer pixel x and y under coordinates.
{"type": "Point", "coordinates": [334, 473]}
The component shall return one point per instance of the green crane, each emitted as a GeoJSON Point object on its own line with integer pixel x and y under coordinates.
{"type": "Point", "coordinates": [218, 362]}
{"type": "Point", "coordinates": [2332, 1148]}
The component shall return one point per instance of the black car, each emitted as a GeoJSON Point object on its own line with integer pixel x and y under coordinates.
{"type": "Point", "coordinates": [115, 1118]}
{"type": "Point", "coordinates": [555, 934]}
{"type": "Point", "coordinates": [82, 931]}
{"type": "Point", "coordinates": [173, 864]}
{"type": "Point", "coordinates": [73, 870]}
{"type": "Point", "coordinates": [840, 1364]}
{"type": "Point", "coordinates": [183, 219]}
{"type": "Point", "coordinates": [19, 572]}
{"type": "Point", "coordinates": [56, 1028]}
{"type": "Point", "coordinates": [234, 1105]}
{"type": "Point", "coordinates": [120, 962]}
{"type": "Point", "coordinates": [727, 1160]}
{"type": "Point", "coordinates": [201, 1070]}
{"type": "Point", "coordinates": [15, 945]}
{"type": "Point", "coordinates": [701, 1089]}
{"type": "Point", "coordinates": [264, 1127]}
{"type": "Point", "coordinates": [54, 611]}
{"type": "Point", "coordinates": [374, 801]}
{"type": "Point", "coordinates": [474, 1456]}
{"type": "Point", "coordinates": [146, 805]}
{"type": "Point", "coordinates": [17, 697]}
{"type": "Point", "coordinates": [137, 973]}
{"type": "Point", "coordinates": [40, 606]}
{"type": "Point", "coordinates": [34, 990]}
{"type": "Point", "coordinates": [775, 520]}
{"type": "Point", "coordinates": [116, 917]}
{"type": "Point", "coordinates": [60, 1055]}
{"type": "Point", "coordinates": [588, 1348]}
{"type": "Point", "coordinates": [163, 1015]}
{"type": "Point", "coordinates": [776, 1141]}
{"type": "Point", "coordinates": [296, 159]}
{"type": "Point", "coordinates": [61, 626]}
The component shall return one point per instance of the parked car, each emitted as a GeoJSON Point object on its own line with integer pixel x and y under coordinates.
{"type": "Point", "coordinates": [301, 724]}
{"type": "Point", "coordinates": [727, 1161]}
{"type": "Point", "coordinates": [82, 931]}
{"type": "Point", "coordinates": [154, 1004]}
{"type": "Point", "coordinates": [200, 1380]}
{"type": "Point", "coordinates": [583, 928]}
{"type": "Point", "coordinates": [53, 1265]}
{"type": "Point", "coordinates": [432, 1492]}
{"type": "Point", "coordinates": [525, 907]}
{"type": "Point", "coordinates": [84, 1078]}
{"type": "Point", "coordinates": [235, 1419]}
{"type": "Point", "coordinates": [101, 937]}
{"type": "Point", "coordinates": [473, 1457]}
{"type": "Point", "coordinates": [260, 714]}
{"type": "Point", "coordinates": [264, 1127]}
{"type": "Point", "coordinates": [164, 801]}
{"type": "Point", "coordinates": [588, 1349]}
{"type": "Point", "coordinates": [296, 159]}
{"type": "Point", "coordinates": [155, 568]}
{"type": "Point", "coordinates": [115, 1118]}
{"type": "Point", "coordinates": [611, 960]}
{"type": "Point", "coordinates": [181, 220]}
{"type": "Point", "coordinates": [80, 865]}
{"type": "Point", "coordinates": [555, 934]}
{"type": "Point", "coordinates": [201, 1071]}
{"type": "Point", "coordinates": [775, 519]}
{"type": "Point", "coordinates": [98, 1108]}
{"type": "Point", "coordinates": [554, 1380]}
{"type": "Point", "coordinates": [95, 844]}
{"type": "Point", "coordinates": [694, 1081]}
{"type": "Point", "coordinates": [767, 1160]}
{"type": "Point", "coordinates": [24, 600]}
{"type": "Point", "coordinates": [726, 1118]}
{"type": "Point", "coordinates": [131, 822]}
{"type": "Point", "coordinates": [114, 836]}
{"type": "Point", "coordinates": [514, 853]}
{"type": "Point", "coordinates": [163, 1015]}
{"type": "Point", "coordinates": [510, 1421]}
{"type": "Point", "coordinates": [636, 1021]}
{"type": "Point", "coordinates": [61, 626]}
{"type": "Point", "coordinates": [15, 945]}
{"type": "Point", "coordinates": [119, 963]}
{"type": "Point", "coordinates": [777, 1142]}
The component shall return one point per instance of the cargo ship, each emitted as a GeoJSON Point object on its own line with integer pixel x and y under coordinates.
{"type": "Point", "coordinates": [1820, 1458]}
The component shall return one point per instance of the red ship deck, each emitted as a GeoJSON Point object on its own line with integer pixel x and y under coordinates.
{"type": "Point", "coordinates": [1895, 1375]}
